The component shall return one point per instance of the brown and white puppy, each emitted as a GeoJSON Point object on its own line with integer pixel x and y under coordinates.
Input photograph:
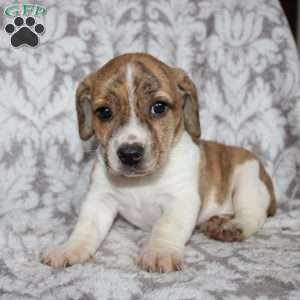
{"type": "Point", "coordinates": [154, 170]}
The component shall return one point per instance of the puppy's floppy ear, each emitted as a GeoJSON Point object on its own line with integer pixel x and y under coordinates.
{"type": "Point", "coordinates": [84, 108]}
{"type": "Point", "coordinates": [189, 96]}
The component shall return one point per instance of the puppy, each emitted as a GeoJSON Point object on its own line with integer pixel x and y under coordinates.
{"type": "Point", "coordinates": [153, 169]}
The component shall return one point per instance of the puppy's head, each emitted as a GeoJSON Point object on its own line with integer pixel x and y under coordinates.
{"type": "Point", "coordinates": [137, 107]}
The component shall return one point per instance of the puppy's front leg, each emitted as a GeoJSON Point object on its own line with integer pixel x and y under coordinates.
{"type": "Point", "coordinates": [95, 219]}
{"type": "Point", "coordinates": [164, 250]}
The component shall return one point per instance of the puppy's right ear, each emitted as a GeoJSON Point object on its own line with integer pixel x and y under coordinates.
{"type": "Point", "coordinates": [84, 108]}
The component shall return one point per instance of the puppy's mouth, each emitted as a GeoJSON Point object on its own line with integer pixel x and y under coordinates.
{"type": "Point", "coordinates": [140, 170]}
{"type": "Point", "coordinates": [131, 171]}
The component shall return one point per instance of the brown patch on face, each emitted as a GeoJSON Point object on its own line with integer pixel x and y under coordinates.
{"type": "Point", "coordinates": [153, 84]}
{"type": "Point", "coordinates": [109, 92]}
{"type": "Point", "coordinates": [217, 167]}
{"type": "Point", "coordinates": [153, 81]}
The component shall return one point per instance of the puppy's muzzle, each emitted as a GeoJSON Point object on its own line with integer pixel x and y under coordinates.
{"type": "Point", "coordinates": [130, 154]}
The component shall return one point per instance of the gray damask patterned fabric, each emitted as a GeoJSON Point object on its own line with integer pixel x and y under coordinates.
{"type": "Point", "coordinates": [242, 58]}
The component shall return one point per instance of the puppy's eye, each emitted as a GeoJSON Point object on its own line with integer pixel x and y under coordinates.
{"type": "Point", "coordinates": [104, 113]}
{"type": "Point", "coordinates": [158, 109]}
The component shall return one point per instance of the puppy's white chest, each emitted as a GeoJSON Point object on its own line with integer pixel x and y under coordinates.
{"type": "Point", "coordinates": [142, 201]}
{"type": "Point", "coordinates": [142, 207]}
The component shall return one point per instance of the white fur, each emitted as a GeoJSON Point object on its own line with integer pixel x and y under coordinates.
{"type": "Point", "coordinates": [142, 201]}
{"type": "Point", "coordinates": [167, 201]}
{"type": "Point", "coordinates": [213, 208]}
{"type": "Point", "coordinates": [96, 217]}
{"type": "Point", "coordinates": [251, 198]}
{"type": "Point", "coordinates": [130, 82]}
{"type": "Point", "coordinates": [250, 201]}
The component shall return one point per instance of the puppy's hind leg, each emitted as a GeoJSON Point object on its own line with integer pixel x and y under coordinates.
{"type": "Point", "coordinates": [251, 201]}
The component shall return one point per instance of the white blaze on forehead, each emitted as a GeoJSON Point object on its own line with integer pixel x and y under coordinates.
{"type": "Point", "coordinates": [130, 84]}
{"type": "Point", "coordinates": [134, 127]}
{"type": "Point", "coordinates": [133, 131]}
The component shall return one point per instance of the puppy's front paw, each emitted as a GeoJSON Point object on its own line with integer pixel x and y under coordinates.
{"type": "Point", "coordinates": [159, 260]}
{"type": "Point", "coordinates": [63, 256]}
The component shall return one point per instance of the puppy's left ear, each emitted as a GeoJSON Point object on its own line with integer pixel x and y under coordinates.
{"type": "Point", "coordinates": [189, 96]}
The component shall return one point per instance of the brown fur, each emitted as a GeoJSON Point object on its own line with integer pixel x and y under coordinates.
{"type": "Point", "coordinates": [217, 167]}
{"type": "Point", "coordinates": [83, 98]}
{"type": "Point", "coordinates": [191, 104]}
{"type": "Point", "coordinates": [153, 81]}
{"type": "Point", "coordinates": [264, 176]}
{"type": "Point", "coordinates": [221, 228]}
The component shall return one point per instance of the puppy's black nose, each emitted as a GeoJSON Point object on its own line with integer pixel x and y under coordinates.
{"type": "Point", "coordinates": [130, 154]}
